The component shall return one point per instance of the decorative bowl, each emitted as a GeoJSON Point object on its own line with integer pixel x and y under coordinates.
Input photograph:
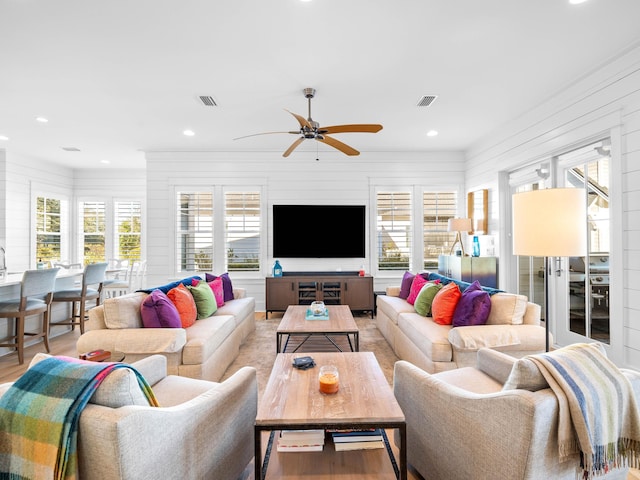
{"type": "Point", "coordinates": [317, 308]}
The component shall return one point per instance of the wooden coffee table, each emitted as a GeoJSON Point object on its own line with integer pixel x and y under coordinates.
{"type": "Point", "coordinates": [340, 322]}
{"type": "Point", "coordinates": [292, 401]}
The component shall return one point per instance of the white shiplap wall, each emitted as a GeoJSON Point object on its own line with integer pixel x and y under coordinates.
{"type": "Point", "coordinates": [606, 101]}
{"type": "Point", "coordinates": [334, 179]}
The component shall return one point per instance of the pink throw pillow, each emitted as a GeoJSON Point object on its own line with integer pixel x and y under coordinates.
{"type": "Point", "coordinates": [416, 286]}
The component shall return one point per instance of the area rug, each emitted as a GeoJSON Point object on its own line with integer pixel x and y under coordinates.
{"type": "Point", "coordinates": [259, 350]}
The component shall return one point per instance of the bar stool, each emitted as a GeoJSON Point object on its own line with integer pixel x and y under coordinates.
{"type": "Point", "coordinates": [94, 274]}
{"type": "Point", "coordinates": [36, 293]}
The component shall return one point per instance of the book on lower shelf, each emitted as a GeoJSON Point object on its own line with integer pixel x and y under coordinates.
{"type": "Point", "coordinates": [365, 435]}
{"type": "Point", "coordinates": [346, 446]}
{"type": "Point", "coordinates": [300, 441]}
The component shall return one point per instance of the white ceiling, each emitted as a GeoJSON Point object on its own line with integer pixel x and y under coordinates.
{"type": "Point", "coordinates": [115, 78]}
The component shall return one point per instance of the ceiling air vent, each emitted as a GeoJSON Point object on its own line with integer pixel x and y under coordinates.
{"type": "Point", "coordinates": [70, 149]}
{"type": "Point", "coordinates": [426, 100]}
{"type": "Point", "coordinates": [208, 101]}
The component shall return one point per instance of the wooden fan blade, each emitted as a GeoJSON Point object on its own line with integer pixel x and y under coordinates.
{"type": "Point", "coordinates": [301, 120]}
{"type": "Point", "coordinates": [358, 127]}
{"type": "Point", "coordinates": [297, 132]}
{"type": "Point", "coordinates": [343, 147]}
{"type": "Point", "coordinates": [293, 147]}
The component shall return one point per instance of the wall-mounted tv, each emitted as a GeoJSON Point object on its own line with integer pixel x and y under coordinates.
{"type": "Point", "coordinates": [319, 231]}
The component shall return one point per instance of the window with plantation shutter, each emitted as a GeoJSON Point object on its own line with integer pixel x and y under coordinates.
{"type": "Point", "coordinates": [128, 230]}
{"type": "Point", "coordinates": [394, 230]}
{"type": "Point", "coordinates": [242, 230]}
{"type": "Point", "coordinates": [437, 209]}
{"type": "Point", "coordinates": [93, 227]}
{"type": "Point", "coordinates": [48, 229]}
{"type": "Point", "coordinates": [194, 240]}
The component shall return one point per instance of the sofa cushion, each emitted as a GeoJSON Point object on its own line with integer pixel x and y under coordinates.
{"type": "Point", "coordinates": [118, 389]}
{"type": "Point", "coordinates": [507, 309]}
{"type": "Point", "coordinates": [393, 306]}
{"type": "Point", "coordinates": [204, 299]}
{"type": "Point", "coordinates": [123, 311]}
{"type": "Point", "coordinates": [425, 298]}
{"type": "Point", "coordinates": [240, 308]}
{"type": "Point", "coordinates": [227, 286]}
{"type": "Point", "coordinates": [405, 286]}
{"type": "Point", "coordinates": [473, 307]}
{"type": "Point", "coordinates": [429, 337]}
{"type": "Point", "coordinates": [478, 336]}
{"type": "Point", "coordinates": [418, 282]}
{"type": "Point", "coordinates": [157, 311]}
{"type": "Point", "coordinates": [205, 337]}
{"type": "Point", "coordinates": [444, 304]}
{"type": "Point", "coordinates": [186, 305]}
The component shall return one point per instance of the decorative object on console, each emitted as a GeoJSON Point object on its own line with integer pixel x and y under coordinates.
{"type": "Point", "coordinates": [458, 225]}
{"type": "Point", "coordinates": [550, 223]}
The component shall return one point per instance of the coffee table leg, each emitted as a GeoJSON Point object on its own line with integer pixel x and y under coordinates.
{"type": "Point", "coordinates": [257, 450]}
{"type": "Point", "coordinates": [403, 451]}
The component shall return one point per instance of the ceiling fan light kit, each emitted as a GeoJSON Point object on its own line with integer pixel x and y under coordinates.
{"type": "Point", "coordinates": [311, 130]}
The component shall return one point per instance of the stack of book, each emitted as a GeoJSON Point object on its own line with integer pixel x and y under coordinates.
{"type": "Point", "coordinates": [301, 441]}
{"type": "Point", "coordinates": [357, 439]}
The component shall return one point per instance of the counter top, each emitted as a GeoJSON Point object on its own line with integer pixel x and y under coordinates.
{"type": "Point", "coordinates": [15, 278]}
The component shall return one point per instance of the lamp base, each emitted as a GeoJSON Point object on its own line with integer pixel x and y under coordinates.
{"type": "Point", "coordinates": [457, 240]}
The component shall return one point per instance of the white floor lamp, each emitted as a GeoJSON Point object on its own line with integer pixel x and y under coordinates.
{"type": "Point", "coordinates": [550, 223]}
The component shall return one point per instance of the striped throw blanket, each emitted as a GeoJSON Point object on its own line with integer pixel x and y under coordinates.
{"type": "Point", "coordinates": [598, 412]}
{"type": "Point", "coordinates": [39, 416]}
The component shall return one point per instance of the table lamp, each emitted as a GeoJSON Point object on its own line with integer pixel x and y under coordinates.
{"type": "Point", "coordinates": [550, 223]}
{"type": "Point", "coordinates": [458, 225]}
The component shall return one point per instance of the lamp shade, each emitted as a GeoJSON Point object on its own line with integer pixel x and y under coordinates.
{"type": "Point", "coordinates": [550, 223]}
{"type": "Point", "coordinates": [459, 224]}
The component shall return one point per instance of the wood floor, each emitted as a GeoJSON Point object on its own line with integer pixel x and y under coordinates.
{"type": "Point", "coordinates": [65, 344]}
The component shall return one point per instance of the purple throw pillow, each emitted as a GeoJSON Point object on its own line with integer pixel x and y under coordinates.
{"type": "Point", "coordinates": [158, 311]}
{"type": "Point", "coordinates": [473, 307]}
{"type": "Point", "coordinates": [227, 287]}
{"type": "Point", "coordinates": [405, 286]}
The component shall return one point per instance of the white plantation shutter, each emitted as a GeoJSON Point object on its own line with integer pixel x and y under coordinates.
{"type": "Point", "coordinates": [128, 230]}
{"type": "Point", "coordinates": [394, 230]}
{"type": "Point", "coordinates": [93, 227]}
{"type": "Point", "coordinates": [242, 230]}
{"type": "Point", "coordinates": [437, 209]}
{"type": "Point", "coordinates": [194, 240]}
{"type": "Point", "coordinates": [48, 229]}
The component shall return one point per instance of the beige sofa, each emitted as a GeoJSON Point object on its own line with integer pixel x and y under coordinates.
{"type": "Point", "coordinates": [203, 350]}
{"type": "Point", "coordinates": [461, 424]}
{"type": "Point", "coordinates": [513, 327]}
{"type": "Point", "coordinates": [201, 429]}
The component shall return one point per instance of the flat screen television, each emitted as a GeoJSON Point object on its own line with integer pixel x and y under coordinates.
{"type": "Point", "coordinates": [340, 231]}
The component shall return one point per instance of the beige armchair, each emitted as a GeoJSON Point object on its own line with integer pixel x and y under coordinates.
{"type": "Point", "coordinates": [201, 430]}
{"type": "Point", "coordinates": [462, 425]}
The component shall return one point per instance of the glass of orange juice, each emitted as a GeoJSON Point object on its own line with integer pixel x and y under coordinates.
{"type": "Point", "coordinates": [329, 379]}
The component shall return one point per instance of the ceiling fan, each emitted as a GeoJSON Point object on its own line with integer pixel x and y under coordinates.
{"type": "Point", "coordinates": [310, 129]}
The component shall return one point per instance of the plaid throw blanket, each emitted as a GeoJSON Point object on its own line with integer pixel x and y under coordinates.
{"type": "Point", "coordinates": [39, 417]}
{"type": "Point", "coordinates": [598, 413]}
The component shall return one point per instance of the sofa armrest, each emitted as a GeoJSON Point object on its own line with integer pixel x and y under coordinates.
{"type": "Point", "coordinates": [153, 368]}
{"type": "Point", "coordinates": [239, 292]}
{"type": "Point", "coordinates": [110, 439]}
{"type": "Point", "coordinates": [393, 291]}
{"type": "Point", "coordinates": [474, 337]}
{"type": "Point", "coordinates": [496, 364]}
{"type": "Point", "coordinates": [96, 319]}
{"type": "Point", "coordinates": [146, 341]}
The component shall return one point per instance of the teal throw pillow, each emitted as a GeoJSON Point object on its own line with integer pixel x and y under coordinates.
{"type": "Point", "coordinates": [204, 298]}
{"type": "Point", "coordinates": [425, 298]}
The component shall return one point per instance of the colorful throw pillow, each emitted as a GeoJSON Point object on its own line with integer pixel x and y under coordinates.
{"type": "Point", "coordinates": [473, 308]}
{"type": "Point", "coordinates": [425, 298]}
{"type": "Point", "coordinates": [157, 311]}
{"type": "Point", "coordinates": [218, 290]}
{"type": "Point", "coordinates": [186, 305]}
{"type": "Point", "coordinates": [405, 286]}
{"type": "Point", "coordinates": [418, 282]}
{"type": "Point", "coordinates": [227, 286]}
{"type": "Point", "coordinates": [169, 286]}
{"type": "Point", "coordinates": [445, 303]}
{"type": "Point", "coordinates": [205, 301]}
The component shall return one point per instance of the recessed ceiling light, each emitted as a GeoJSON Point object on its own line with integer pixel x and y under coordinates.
{"type": "Point", "coordinates": [189, 133]}
{"type": "Point", "coordinates": [106, 162]}
{"type": "Point", "coordinates": [432, 133]}
{"type": "Point", "coordinates": [41, 120]}
{"type": "Point", "coordinates": [576, 2]}
{"type": "Point", "coordinates": [4, 137]}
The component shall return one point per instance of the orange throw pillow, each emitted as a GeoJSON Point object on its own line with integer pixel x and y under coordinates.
{"type": "Point", "coordinates": [445, 303]}
{"type": "Point", "coordinates": [186, 305]}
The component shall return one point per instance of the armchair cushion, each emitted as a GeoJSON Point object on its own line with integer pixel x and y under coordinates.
{"type": "Point", "coordinates": [123, 312]}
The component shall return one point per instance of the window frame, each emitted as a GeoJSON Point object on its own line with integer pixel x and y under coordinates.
{"type": "Point", "coordinates": [65, 215]}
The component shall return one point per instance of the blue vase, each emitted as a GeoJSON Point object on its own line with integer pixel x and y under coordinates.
{"type": "Point", "coordinates": [277, 269]}
{"type": "Point", "coordinates": [476, 247]}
